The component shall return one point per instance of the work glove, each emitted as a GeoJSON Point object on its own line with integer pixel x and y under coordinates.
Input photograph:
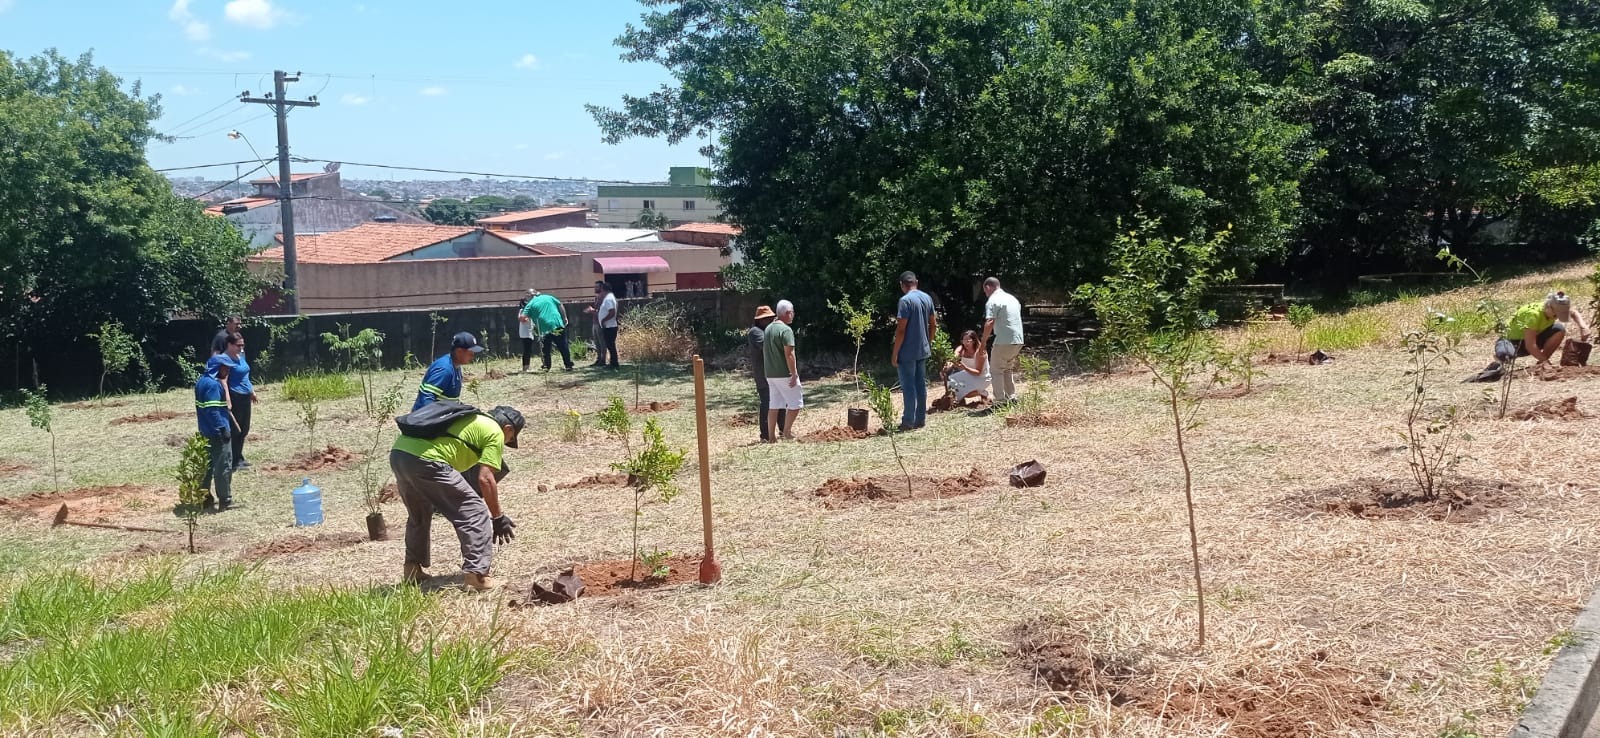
{"type": "Point", "coordinates": [504, 529]}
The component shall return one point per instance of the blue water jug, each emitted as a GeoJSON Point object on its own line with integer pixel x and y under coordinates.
{"type": "Point", "coordinates": [307, 504]}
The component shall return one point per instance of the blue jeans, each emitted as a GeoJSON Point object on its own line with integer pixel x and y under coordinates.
{"type": "Point", "coordinates": [914, 389]}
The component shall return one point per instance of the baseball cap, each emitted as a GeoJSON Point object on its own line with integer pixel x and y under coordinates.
{"type": "Point", "coordinates": [465, 340]}
{"type": "Point", "coordinates": [908, 278]}
{"type": "Point", "coordinates": [1560, 304]}
{"type": "Point", "coordinates": [507, 415]}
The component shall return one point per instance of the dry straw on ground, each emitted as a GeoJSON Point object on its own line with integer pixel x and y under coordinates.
{"type": "Point", "coordinates": [903, 618]}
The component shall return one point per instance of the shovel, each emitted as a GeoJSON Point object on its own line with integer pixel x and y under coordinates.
{"type": "Point", "coordinates": [61, 519]}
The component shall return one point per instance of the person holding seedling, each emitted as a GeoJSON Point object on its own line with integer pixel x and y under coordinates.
{"type": "Point", "coordinates": [211, 410]}
{"type": "Point", "coordinates": [782, 374]}
{"type": "Point", "coordinates": [443, 379]}
{"type": "Point", "coordinates": [1538, 329]}
{"type": "Point", "coordinates": [449, 460]}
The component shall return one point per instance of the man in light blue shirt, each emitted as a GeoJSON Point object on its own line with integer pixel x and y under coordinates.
{"type": "Point", "coordinates": [914, 328]}
{"type": "Point", "coordinates": [1002, 318]}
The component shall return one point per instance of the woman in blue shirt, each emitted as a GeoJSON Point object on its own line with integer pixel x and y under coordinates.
{"type": "Point", "coordinates": [234, 370]}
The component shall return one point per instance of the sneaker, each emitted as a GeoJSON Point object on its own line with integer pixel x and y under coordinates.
{"type": "Point", "coordinates": [230, 505]}
{"type": "Point", "coordinates": [413, 574]}
{"type": "Point", "coordinates": [480, 582]}
{"type": "Point", "coordinates": [241, 465]}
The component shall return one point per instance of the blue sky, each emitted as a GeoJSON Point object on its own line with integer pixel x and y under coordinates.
{"type": "Point", "coordinates": [481, 85]}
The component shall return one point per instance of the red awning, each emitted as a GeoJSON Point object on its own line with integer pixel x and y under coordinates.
{"type": "Point", "coordinates": [630, 264]}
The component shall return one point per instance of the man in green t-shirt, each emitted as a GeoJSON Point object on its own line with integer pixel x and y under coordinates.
{"type": "Point", "coordinates": [549, 319]}
{"type": "Point", "coordinates": [783, 374]}
{"type": "Point", "coordinates": [456, 475]}
{"type": "Point", "coordinates": [1536, 329]}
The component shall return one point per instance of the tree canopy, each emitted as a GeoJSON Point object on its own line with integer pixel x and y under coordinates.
{"type": "Point", "coordinates": [88, 231]}
{"type": "Point", "coordinates": [450, 211]}
{"type": "Point", "coordinates": [852, 140]}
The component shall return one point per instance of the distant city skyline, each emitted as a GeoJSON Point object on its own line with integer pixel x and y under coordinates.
{"type": "Point", "coordinates": [494, 86]}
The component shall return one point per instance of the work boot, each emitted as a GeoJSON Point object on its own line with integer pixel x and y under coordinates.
{"type": "Point", "coordinates": [413, 574]}
{"type": "Point", "coordinates": [480, 582]}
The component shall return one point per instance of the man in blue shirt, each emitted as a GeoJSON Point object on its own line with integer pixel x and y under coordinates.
{"type": "Point", "coordinates": [211, 409]}
{"type": "Point", "coordinates": [443, 380]}
{"type": "Point", "coordinates": [914, 328]}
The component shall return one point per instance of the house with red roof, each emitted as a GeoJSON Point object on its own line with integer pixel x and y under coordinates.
{"type": "Point", "coordinates": [321, 205]}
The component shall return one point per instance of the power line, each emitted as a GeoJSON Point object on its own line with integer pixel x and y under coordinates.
{"type": "Point", "coordinates": [182, 131]}
{"type": "Point", "coordinates": [208, 112]}
{"type": "Point", "coordinates": [258, 168]}
{"type": "Point", "coordinates": [228, 127]}
{"type": "Point", "coordinates": [312, 160]}
{"type": "Point", "coordinates": [209, 166]}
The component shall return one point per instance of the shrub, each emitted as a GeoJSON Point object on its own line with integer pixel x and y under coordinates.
{"type": "Point", "coordinates": [193, 463]}
{"type": "Point", "coordinates": [118, 351]}
{"type": "Point", "coordinates": [361, 353]}
{"type": "Point", "coordinates": [659, 332]}
{"type": "Point", "coordinates": [1300, 317]}
{"type": "Point", "coordinates": [1431, 429]}
{"type": "Point", "coordinates": [650, 471]}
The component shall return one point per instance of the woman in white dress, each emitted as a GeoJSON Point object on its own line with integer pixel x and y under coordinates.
{"type": "Point", "coordinates": [968, 377]}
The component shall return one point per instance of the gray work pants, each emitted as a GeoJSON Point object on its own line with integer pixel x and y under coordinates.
{"type": "Point", "coordinates": [433, 486]}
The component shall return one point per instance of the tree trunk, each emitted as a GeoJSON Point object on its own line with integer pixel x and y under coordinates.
{"type": "Point", "coordinates": [1188, 499]}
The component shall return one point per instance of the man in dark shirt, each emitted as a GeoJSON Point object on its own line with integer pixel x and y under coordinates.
{"type": "Point", "coordinates": [754, 340]}
{"type": "Point", "coordinates": [219, 342]}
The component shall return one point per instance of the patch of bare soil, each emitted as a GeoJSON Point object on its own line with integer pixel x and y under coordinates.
{"type": "Point", "coordinates": [1563, 373]}
{"type": "Point", "coordinates": [10, 468]}
{"type": "Point", "coordinates": [1312, 697]}
{"type": "Point", "coordinates": [654, 407]}
{"type": "Point", "coordinates": [154, 417]}
{"type": "Point", "coordinates": [601, 578]}
{"type": "Point", "coordinates": [1038, 420]}
{"type": "Point", "coordinates": [88, 504]}
{"type": "Point", "coordinates": [388, 493]}
{"type": "Point", "coordinates": [493, 374]}
{"type": "Point", "coordinates": [171, 548]}
{"type": "Point", "coordinates": [1463, 501]}
{"type": "Point", "coordinates": [291, 545]}
{"type": "Point", "coordinates": [838, 493]}
{"type": "Point", "coordinates": [94, 405]}
{"type": "Point", "coordinates": [834, 434]}
{"type": "Point", "coordinates": [597, 480]}
{"type": "Point", "coordinates": [947, 402]}
{"type": "Point", "coordinates": [305, 461]}
{"type": "Point", "coordinates": [1566, 409]}
{"type": "Point", "coordinates": [1225, 393]}
{"type": "Point", "coordinates": [743, 420]}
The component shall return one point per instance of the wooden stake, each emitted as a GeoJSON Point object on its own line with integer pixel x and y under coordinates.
{"type": "Point", "coordinates": [710, 572]}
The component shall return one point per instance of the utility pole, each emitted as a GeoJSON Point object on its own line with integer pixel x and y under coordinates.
{"type": "Point", "coordinates": [281, 105]}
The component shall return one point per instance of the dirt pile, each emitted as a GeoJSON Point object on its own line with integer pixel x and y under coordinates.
{"type": "Point", "coordinates": [834, 435]}
{"type": "Point", "coordinates": [1045, 419]}
{"type": "Point", "coordinates": [7, 467]}
{"type": "Point", "coordinates": [1462, 501]}
{"type": "Point", "coordinates": [602, 578]}
{"type": "Point", "coordinates": [1566, 409]}
{"type": "Point", "coordinates": [1563, 373]}
{"type": "Point", "coordinates": [654, 407]}
{"type": "Point", "coordinates": [291, 545]}
{"type": "Point", "coordinates": [597, 480]}
{"type": "Point", "coordinates": [154, 417]}
{"type": "Point", "coordinates": [88, 504]}
{"type": "Point", "coordinates": [1312, 697]}
{"type": "Point", "coordinates": [743, 420]}
{"type": "Point", "coordinates": [306, 461]}
{"type": "Point", "coordinates": [838, 493]}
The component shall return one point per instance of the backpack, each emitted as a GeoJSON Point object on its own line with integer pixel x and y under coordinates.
{"type": "Point", "coordinates": [433, 419]}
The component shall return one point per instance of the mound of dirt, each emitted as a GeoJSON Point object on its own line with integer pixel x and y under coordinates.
{"type": "Point", "coordinates": [1312, 697]}
{"type": "Point", "coordinates": [388, 493]}
{"type": "Point", "coordinates": [305, 461]}
{"type": "Point", "coordinates": [834, 435]}
{"type": "Point", "coordinates": [1563, 373]}
{"type": "Point", "coordinates": [301, 544]}
{"type": "Point", "coordinates": [654, 407]}
{"type": "Point", "coordinates": [602, 578]}
{"type": "Point", "coordinates": [946, 403]}
{"type": "Point", "coordinates": [838, 493]}
{"type": "Point", "coordinates": [1551, 410]}
{"type": "Point", "coordinates": [88, 504]}
{"type": "Point", "coordinates": [154, 417]}
{"type": "Point", "coordinates": [1463, 501]}
{"type": "Point", "coordinates": [93, 405]}
{"type": "Point", "coordinates": [743, 420]}
{"type": "Point", "coordinates": [10, 468]}
{"type": "Point", "coordinates": [1038, 420]}
{"type": "Point", "coordinates": [597, 480]}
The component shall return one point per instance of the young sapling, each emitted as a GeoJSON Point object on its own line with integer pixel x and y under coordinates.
{"type": "Point", "coordinates": [193, 464]}
{"type": "Point", "coordinates": [40, 416]}
{"type": "Point", "coordinates": [650, 471]}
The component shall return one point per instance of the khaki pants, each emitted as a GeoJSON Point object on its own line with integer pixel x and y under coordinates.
{"type": "Point", "coordinates": [1004, 370]}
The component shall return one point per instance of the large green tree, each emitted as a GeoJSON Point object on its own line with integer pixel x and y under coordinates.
{"type": "Point", "coordinates": [962, 137]}
{"type": "Point", "coordinates": [450, 211]}
{"type": "Point", "coordinates": [88, 231]}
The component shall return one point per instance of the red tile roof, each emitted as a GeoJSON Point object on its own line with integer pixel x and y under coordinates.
{"type": "Point", "coordinates": [292, 178]}
{"type": "Point", "coordinates": [721, 229]}
{"type": "Point", "coordinates": [518, 217]}
{"type": "Point", "coordinates": [249, 203]}
{"type": "Point", "coordinates": [367, 243]}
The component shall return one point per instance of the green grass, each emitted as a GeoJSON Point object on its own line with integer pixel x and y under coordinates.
{"type": "Point", "coordinates": [110, 657]}
{"type": "Point", "coordinates": [1345, 331]}
{"type": "Point", "coordinates": [319, 387]}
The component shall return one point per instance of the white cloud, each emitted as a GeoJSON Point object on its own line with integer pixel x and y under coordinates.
{"type": "Point", "coordinates": [183, 90]}
{"type": "Point", "coordinates": [555, 156]}
{"type": "Point", "coordinates": [258, 14]}
{"type": "Point", "coordinates": [520, 147]}
{"type": "Point", "coordinates": [226, 57]}
{"type": "Point", "coordinates": [528, 61]}
{"type": "Point", "coordinates": [432, 91]}
{"type": "Point", "coordinates": [351, 98]}
{"type": "Point", "coordinates": [5, 5]}
{"type": "Point", "coordinates": [193, 28]}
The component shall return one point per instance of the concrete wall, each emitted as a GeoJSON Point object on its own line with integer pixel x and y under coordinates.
{"type": "Point", "coordinates": [630, 204]}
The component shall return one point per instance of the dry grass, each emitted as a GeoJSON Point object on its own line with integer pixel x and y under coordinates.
{"type": "Point", "coordinates": [899, 619]}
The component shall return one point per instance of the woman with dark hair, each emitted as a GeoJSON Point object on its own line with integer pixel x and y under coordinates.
{"type": "Point", "coordinates": [233, 369]}
{"type": "Point", "coordinates": [968, 376]}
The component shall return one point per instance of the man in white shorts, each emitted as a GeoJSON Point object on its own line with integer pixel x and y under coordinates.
{"type": "Point", "coordinates": [783, 374]}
